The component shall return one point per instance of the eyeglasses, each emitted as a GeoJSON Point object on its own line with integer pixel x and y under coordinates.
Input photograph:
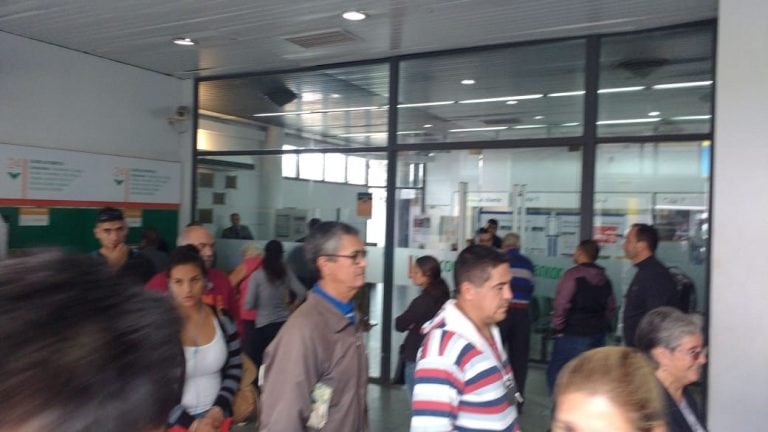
{"type": "Point", "coordinates": [696, 353]}
{"type": "Point", "coordinates": [355, 256]}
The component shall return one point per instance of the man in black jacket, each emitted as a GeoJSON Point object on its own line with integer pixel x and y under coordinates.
{"type": "Point", "coordinates": [652, 286]}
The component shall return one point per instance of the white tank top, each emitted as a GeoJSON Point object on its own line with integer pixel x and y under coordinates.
{"type": "Point", "coordinates": [203, 374]}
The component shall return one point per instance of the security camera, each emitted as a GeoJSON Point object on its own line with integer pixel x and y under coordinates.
{"type": "Point", "coordinates": [182, 112]}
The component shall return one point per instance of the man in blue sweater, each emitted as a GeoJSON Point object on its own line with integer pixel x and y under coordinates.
{"type": "Point", "coordinates": [516, 327]}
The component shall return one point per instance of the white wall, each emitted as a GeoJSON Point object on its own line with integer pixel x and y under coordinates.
{"type": "Point", "coordinates": [738, 375]}
{"type": "Point", "coordinates": [56, 98]}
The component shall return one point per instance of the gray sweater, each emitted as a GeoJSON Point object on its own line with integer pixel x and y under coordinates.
{"type": "Point", "coordinates": [270, 300]}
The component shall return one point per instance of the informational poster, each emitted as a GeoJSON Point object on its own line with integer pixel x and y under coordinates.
{"type": "Point", "coordinates": [364, 204]}
{"type": "Point", "coordinates": [133, 217]}
{"type": "Point", "coordinates": [420, 231]}
{"type": "Point", "coordinates": [37, 175]}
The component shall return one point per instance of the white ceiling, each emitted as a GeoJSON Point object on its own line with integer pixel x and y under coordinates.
{"type": "Point", "coordinates": [244, 36]}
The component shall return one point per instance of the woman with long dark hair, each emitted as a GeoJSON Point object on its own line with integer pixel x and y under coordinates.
{"type": "Point", "coordinates": [211, 348]}
{"type": "Point", "coordinates": [272, 290]}
{"type": "Point", "coordinates": [425, 273]}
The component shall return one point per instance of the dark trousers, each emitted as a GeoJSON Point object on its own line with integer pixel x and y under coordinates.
{"type": "Point", "coordinates": [516, 334]}
{"type": "Point", "coordinates": [249, 339]}
{"type": "Point", "coordinates": [264, 336]}
{"type": "Point", "coordinates": [567, 348]}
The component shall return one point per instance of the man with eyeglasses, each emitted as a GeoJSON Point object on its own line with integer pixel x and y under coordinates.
{"type": "Point", "coordinates": [315, 371]}
{"type": "Point", "coordinates": [111, 231]}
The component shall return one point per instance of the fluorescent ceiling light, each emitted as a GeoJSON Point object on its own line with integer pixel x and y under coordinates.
{"type": "Point", "coordinates": [570, 93]}
{"type": "Point", "coordinates": [411, 132]}
{"type": "Point", "coordinates": [538, 117]}
{"type": "Point", "coordinates": [354, 16]}
{"type": "Point", "coordinates": [627, 121]}
{"type": "Point", "coordinates": [679, 207]}
{"type": "Point", "coordinates": [184, 41]}
{"type": "Point", "coordinates": [467, 81]}
{"type": "Point", "coordinates": [621, 89]}
{"type": "Point", "coordinates": [347, 109]}
{"type": "Point", "coordinates": [335, 95]}
{"type": "Point", "coordinates": [421, 104]}
{"type": "Point", "coordinates": [512, 102]}
{"type": "Point", "coordinates": [479, 129]}
{"type": "Point", "coordinates": [311, 96]}
{"type": "Point", "coordinates": [654, 113]}
{"type": "Point", "coordinates": [428, 125]}
{"type": "Point", "coordinates": [368, 134]}
{"type": "Point", "coordinates": [287, 113]}
{"type": "Point", "coordinates": [571, 124]}
{"type": "Point", "coordinates": [502, 99]}
{"type": "Point", "coordinates": [529, 126]}
{"type": "Point", "coordinates": [699, 117]}
{"type": "Point", "coordinates": [682, 85]}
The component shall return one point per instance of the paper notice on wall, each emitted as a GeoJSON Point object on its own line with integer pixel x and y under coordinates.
{"type": "Point", "coordinates": [364, 204]}
{"type": "Point", "coordinates": [133, 217]}
{"type": "Point", "coordinates": [32, 173]}
{"type": "Point", "coordinates": [34, 216]}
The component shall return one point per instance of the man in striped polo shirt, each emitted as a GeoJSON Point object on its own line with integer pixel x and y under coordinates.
{"type": "Point", "coordinates": [463, 379]}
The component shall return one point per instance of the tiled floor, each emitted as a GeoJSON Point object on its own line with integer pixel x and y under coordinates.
{"type": "Point", "coordinates": [389, 409]}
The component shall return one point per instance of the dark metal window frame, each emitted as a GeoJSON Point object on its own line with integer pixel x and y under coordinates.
{"type": "Point", "coordinates": [588, 142]}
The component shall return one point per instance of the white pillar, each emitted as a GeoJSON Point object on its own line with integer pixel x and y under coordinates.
{"type": "Point", "coordinates": [738, 370]}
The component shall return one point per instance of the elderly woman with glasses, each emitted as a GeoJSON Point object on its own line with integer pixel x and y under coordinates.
{"type": "Point", "coordinates": [674, 342]}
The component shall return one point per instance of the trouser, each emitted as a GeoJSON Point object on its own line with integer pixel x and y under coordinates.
{"type": "Point", "coordinates": [565, 349]}
{"type": "Point", "coordinates": [248, 341]}
{"type": "Point", "coordinates": [264, 336]}
{"type": "Point", "coordinates": [516, 335]}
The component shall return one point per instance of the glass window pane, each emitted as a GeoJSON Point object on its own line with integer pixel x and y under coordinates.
{"type": "Point", "coordinates": [534, 192]}
{"type": "Point", "coordinates": [335, 167]}
{"type": "Point", "coordinates": [663, 184]}
{"type": "Point", "coordinates": [322, 108]}
{"type": "Point", "coordinates": [290, 163]}
{"type": "Point", "coordinates": [284, 215]}
{"type": "Point", "coordinates": [311, 166]}
{"type": "Point", "coordinates": [656, 83]}
{"type": "Point", "coordinates": [533, 91]}
{"type": "Point", "coordinates": [356, 170]}
{"type": "Point", "coordinates": [377, 173]}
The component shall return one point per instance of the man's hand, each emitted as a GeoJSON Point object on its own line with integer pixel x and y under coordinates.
{"type": "Point", "coordinates": [215, 416]}
{"type": "Point", "coordinates": [202, 425]}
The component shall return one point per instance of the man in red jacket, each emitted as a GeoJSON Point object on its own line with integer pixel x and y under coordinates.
{"type": "Point", "coordinates": [218, 292]}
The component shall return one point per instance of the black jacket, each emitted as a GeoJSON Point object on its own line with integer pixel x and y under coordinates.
{"type": "Point", "coordinates": [675, 420]}
{"type": "Point", "coordinates": [652, 286]}
{"type": "Point", "coordinates": [422, 309]}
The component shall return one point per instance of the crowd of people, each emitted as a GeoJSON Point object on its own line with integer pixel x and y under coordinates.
{"type": "Point", "coordinates": [123, 340]}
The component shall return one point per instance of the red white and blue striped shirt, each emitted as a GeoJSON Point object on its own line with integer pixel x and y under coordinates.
{"type": "Point", "coordinates": [460, 378]}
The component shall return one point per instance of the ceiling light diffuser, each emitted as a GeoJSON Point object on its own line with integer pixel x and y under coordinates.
{"type": "Point", "coordinates": [354, 16]}
{"type": "Point", "coordinates": [495, 128]}
{"type": "Point", "coordinates": [184, 41]}
{"type": "Point", "coordinates": [654, 113]}
{"type": "Point", "coordinates": [628, 121]}
{"type": "Point", "coordinates": [621, 89]}
{"type": "Point", "coordinates": [570, 93]}
{"type": "Point", "coordinates": [467, 81]}
{"type": "Point", "coordinates": [682, 85]}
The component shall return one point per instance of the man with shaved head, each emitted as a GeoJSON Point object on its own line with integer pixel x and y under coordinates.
{"type": "Point", "coordinates": [218, 292]}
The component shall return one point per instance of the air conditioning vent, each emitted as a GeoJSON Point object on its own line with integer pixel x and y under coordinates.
{"type": "Point", "coordinates": [322, 39]}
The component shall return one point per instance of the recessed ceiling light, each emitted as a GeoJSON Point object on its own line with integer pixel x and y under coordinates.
{"type": "Point", "coordinates": [335, 95]}
{"type": "Point", "coordinates": [354, 16]}
{"type": "Point", "coordinates": [311, 96]}
{"type": "Point", "coordinates": [654, 113]}
{"type": "Point", "coordinates": [538, 117]}
{"type": "Point", "coordinates": [184, 41]}
{"type": "Point", "coordinates": [428, 125]}
{"type": "Point", "coordinates": [467, 81]}
{"type": "Point", "coordinates": [512, 102]}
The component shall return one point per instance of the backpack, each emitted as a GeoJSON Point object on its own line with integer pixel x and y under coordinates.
{"type": "Point", "coordinates": [686, 290]}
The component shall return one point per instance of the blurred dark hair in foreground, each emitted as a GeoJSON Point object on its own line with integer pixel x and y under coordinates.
{"type": "Point", "coordinates": [81, 350]}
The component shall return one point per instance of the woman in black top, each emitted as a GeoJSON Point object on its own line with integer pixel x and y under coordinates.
{"type": "Point", "coordinates": [425, 274]}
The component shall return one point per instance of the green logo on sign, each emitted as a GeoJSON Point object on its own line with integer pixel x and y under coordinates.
{"type": "Point", "coordinates": [14, 175]}
{"type": "Point", "coordinates": [118, 182]}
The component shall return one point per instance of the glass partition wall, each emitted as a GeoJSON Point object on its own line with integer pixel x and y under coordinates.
{"type": "Point", "coordinates": [557, 140]}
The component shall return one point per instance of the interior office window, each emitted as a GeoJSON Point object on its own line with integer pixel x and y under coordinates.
{"type": "Point", "coordinates": [534, 192]}
{"type": "Point", "coordinates": [336, 106]}
{"type": "Point", "coordinates": [532, 91]}
{"type": "Point", "coordinates": [311, 166]}
{"type": "Point", "coordinates": [656, 82]}
{"type": "Point", "coordinates": [335, 167]}
{"type": "Point", "coordinates": [377, 173]}
{"type": "Point", "coordinates": [356, 170]}
{"type": "Point", "coordinates": [290, 163]}
{"type": "Point", "coordinates": [660, 183]}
